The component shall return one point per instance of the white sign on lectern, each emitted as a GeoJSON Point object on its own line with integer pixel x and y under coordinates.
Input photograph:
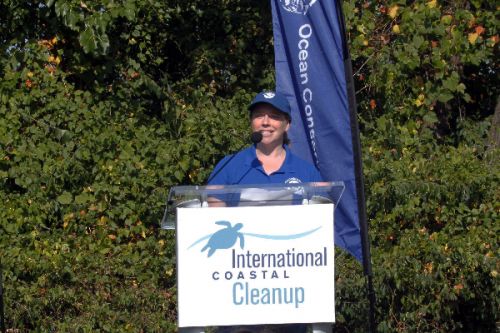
{"type": "Point", "coordinates": [254, 265]}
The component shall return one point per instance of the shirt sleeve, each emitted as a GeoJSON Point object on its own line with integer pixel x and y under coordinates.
{"type": "Point", "coordinates": [219, 175]}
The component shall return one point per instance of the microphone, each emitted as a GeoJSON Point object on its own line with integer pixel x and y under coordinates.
{"type": "Point", "coordinates": [256, 137]}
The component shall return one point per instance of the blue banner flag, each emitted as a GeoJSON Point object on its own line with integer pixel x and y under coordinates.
{"type": "Point", "coordinates": [310, 54]}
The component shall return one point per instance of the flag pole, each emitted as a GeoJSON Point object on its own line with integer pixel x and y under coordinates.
{"type": "Point", "coordinates": [358, 169]}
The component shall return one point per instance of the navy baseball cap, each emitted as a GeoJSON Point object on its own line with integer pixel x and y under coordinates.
{"type": "Point", "coordinates": [275, 99]}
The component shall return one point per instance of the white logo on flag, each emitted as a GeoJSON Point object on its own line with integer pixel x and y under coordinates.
{"type": "Point", "coordinates": [269, 94]}
{"type": "Point", "coordinates": [297, 6]}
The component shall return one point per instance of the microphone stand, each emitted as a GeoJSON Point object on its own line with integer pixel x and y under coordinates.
{"type": "Point", "coordinates": [256, 138]}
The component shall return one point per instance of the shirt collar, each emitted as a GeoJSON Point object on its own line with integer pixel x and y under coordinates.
{"type": "Point", "coordinates": [286, 167]}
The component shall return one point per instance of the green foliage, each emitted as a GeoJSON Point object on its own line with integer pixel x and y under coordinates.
{"type": "Point", "coordinates": [104, 105]}
{"type": "Point", "coordinates": [434, 221]}
{"type": "Point", "coordinates": [84, 182]}
{"type": "Point", "coordinates": [418, 61]}
{"type": "Point", "coordinates": [427, 85]}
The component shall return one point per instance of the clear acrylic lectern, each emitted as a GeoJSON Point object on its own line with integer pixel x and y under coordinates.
{"type": "Point", "coordinates": [260, 250]}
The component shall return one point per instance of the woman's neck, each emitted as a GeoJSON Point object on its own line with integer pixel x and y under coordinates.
{"type": "Point", "coordinates": [271, 158]}
{"type": "Point", "coordinates": [274, 151]}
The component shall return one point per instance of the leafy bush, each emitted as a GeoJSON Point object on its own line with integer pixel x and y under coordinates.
{"type": "Point", "coordinates": [105, 105]}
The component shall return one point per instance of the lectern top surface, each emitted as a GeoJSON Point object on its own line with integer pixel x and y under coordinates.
{"type": "Point", "coordinates": [249, 195]}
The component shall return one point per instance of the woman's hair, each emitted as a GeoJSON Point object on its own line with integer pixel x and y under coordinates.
{"type": "Point", "coordinates": [286, 140]}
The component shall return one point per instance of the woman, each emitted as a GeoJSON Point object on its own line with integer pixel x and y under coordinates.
{"type": "Point", "coordinates": [270, 160]}
{"type": "Point", "coordinates": [267, 161]}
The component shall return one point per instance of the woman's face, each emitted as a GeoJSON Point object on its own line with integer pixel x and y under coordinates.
{"type": "Point", "coordinates": [270, 122]}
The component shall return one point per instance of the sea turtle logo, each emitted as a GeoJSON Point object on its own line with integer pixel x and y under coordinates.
{"type": "Point", "coordinates": [226, 237]}
{"type": "Point", "coordinates": [297, 6]}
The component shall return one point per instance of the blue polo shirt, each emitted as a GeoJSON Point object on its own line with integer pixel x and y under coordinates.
{"type": "Point", "coordinates": [245, 168]}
